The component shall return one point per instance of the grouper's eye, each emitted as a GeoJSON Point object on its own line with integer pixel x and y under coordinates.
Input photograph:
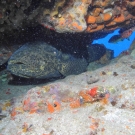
{"type": "Point", "coordinates": [19, 63]}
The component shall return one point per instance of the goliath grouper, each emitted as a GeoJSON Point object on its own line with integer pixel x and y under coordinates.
{"type": "Point", "coordinates": [41, 60]}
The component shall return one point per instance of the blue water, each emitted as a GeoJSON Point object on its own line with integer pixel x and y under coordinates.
{"type": "Point", "coordinates": [117, 47]}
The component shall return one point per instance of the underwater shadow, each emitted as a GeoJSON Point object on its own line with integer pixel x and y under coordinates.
{"type": "Point", "coordinates": [31, 81]}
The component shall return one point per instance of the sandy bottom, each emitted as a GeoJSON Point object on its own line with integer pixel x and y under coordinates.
{"type": "Point", "coordinates": [106, 105]}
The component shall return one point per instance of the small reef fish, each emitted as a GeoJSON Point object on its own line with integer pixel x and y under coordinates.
{"type": "Point", "coordinates": [115, 39]}
{"type": "Point", "coordinates": [126, 34]}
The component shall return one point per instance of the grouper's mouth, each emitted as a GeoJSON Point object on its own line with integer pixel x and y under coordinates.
{"type": "Point", "coordinates": [23, 70]}
{"type": "Point", "coordinates": [18, 69]}
{"type": "Point", "coordinates": [19, 63]}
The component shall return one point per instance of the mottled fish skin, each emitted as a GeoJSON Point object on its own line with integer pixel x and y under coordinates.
{"type": "Point", "coordinates": [40, 60]}
{"type": "Point", "coordinates": [71, 65]}
{"type": "Point", "coordinates": [95, 52]}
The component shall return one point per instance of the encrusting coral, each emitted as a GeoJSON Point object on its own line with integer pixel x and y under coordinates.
{"type": "Point", "coordinates": [67, 15]}
{"type": "Point", "coordinates": [81, 15]}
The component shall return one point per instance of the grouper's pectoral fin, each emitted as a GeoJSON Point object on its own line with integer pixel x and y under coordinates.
{"type": "Point", "coordinates": [72, 67]}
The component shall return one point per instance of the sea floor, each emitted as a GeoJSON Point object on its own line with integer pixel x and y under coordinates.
{"type": "Point", "coordinates": [99, 102]}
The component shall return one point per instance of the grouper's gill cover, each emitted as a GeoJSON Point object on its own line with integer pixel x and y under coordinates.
{"type": "Point", "coordinates": [40, 60]}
